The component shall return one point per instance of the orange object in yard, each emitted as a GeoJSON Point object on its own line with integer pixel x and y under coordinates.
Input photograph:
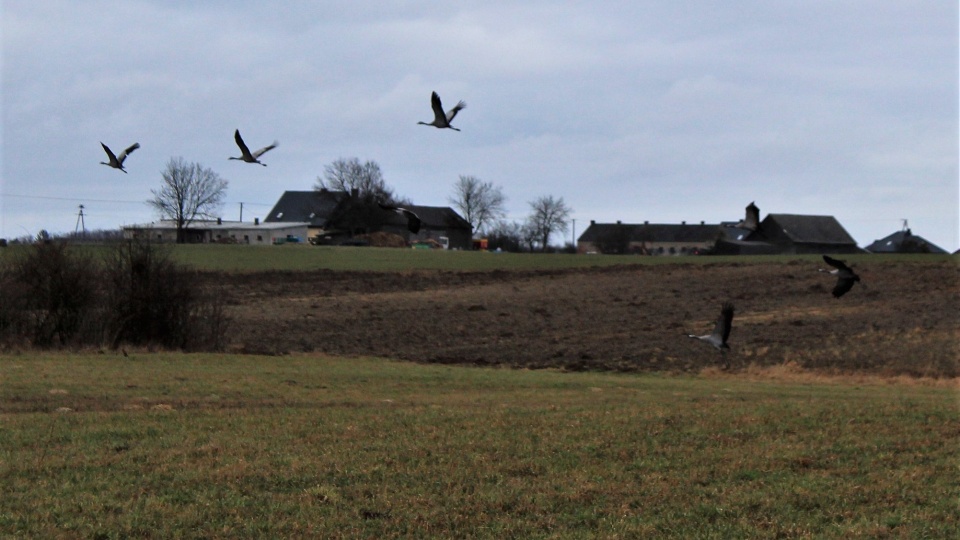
{"type": "Point", "coordinates": [480, 244]}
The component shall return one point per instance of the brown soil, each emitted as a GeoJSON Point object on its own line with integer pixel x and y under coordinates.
{"type": "Point", "coordinates": [634, 318]}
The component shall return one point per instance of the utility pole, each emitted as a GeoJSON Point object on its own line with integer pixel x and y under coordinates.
{"type": "Point", "coordinates": [80, 222]}
{"type": "Point", "coordinates": [241, 212]}
{"type": "Point", "coordinates": [574, 233]}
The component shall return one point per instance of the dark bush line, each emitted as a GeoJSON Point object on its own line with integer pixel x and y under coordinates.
{"type": "Point", "coordinates": [53, 296]}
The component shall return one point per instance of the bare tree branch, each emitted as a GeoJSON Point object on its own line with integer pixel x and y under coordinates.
{"type": "Point", "coordinates": [349, 174]}
{"type": "Point", "coordinates": [480, 203]}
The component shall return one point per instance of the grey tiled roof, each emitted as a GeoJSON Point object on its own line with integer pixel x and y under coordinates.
{"type": "Point", "coordinates": [904, 241]}
{"type": "Point", "coordinates": [654, 232]}
{"type": "Point", "coordinates": [318, 207]}
{"type": "Point", "coordinates": [314, 207]}
{"type": "Point", "coordinates": [803, 229]}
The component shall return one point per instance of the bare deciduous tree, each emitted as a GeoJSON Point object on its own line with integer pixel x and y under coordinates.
{"type": "Point", "coordinates": [481, 203]}
{"type": "Point", "coordinates": [365, 187]}
{"type": "Point", "coordinates": [529, 235]}
{"type": "Point", "coordinates": [349, 174]}
{"type": "Point", "coordinates": [549, 215]}
{"type": "Point", "coordinates": [505, 236]}
{"type": "Point", "coordinates": [189, 192]}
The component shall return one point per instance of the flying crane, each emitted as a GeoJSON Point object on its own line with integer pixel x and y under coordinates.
{"type": "Point", "coordinates": [441, 119]}
{"type": "Point", "coordinates": [117, 161]}
{"type": "Point", "coordinates": [246, 155]}
{"type": "Point", "coordinates": [846, 277]}
{"type": "Point", "coordinates": [413, 221]}
{"type": "Point", "coordinates": [721, 332]}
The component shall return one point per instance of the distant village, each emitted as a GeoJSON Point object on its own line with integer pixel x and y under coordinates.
{"type": "Point", "coordinates": [340, 218]}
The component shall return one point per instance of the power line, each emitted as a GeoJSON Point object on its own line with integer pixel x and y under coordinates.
{"type": "Point", "coordinates": [72, 199]}
{"type": "Point", "coordinates": [85, 199]}
{"type": "Point", "coordinates": [249, 203]}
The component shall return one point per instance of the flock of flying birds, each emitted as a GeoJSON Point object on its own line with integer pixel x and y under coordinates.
{"type": "Point", "coordinates": [846, 277]}
{"type": "Point", "coordinates": [441, 119]}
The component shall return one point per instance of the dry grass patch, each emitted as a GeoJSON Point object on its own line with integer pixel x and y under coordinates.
{"type": "Point", "coordinates": [791, 372]}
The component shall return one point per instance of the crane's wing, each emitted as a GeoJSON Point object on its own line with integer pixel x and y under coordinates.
{"type": "Point", "coordinates": [453, 112]}
{"type": "Point", "coordinates": [724, 322]}
{"type": "Point", "coordinates": [243, 147]}
{"type": "Point", "coordinates": [265, 149]}
{"type": "Point", "coordinates": [127, 151]}
{"type": "Point", "coordinates": [438, 114]}
{"type": "Point", "coordinates": [413, 220]}
{"type": "Point", "coordinates": [835, 263]}
{"type": "Point", "coordinates": [109, 152]}
{"type": "Point", "coordinates": [844, 284]}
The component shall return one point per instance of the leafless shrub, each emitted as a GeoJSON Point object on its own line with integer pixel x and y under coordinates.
{"type": "Point", "coordinates": [154, 301]}
{"type": "Point", "coordinates": [54, 296]}
{"type": "Point", "coordinates": [13, 297]}
{"type": "Point", "coordinates": [49, 295]}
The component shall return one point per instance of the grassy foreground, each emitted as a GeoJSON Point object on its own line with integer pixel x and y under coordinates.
{"type": "Point", "coordinates": [170, 445]}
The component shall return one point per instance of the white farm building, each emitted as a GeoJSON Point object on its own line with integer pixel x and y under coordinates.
{"type": "Point", "coordinates": [220, 231]}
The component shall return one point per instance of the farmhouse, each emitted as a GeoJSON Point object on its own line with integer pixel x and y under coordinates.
{"type": "Point", "coordinates": [219, 231]}
{"type": "Point", "coordinates": [904, 241]}
{"type": "Point", "coordinates": [784, 234]}
{"type": "Point", "coordinates": [337, 216]}
{"type": "Point", "coordinates": [776, 234]}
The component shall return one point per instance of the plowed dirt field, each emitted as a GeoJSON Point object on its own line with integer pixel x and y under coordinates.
{"type": "Point", "coordinates": [903, 319]}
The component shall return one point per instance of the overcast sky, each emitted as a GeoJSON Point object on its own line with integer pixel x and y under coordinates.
{"type": "Point", "coordinates": [657, 111]}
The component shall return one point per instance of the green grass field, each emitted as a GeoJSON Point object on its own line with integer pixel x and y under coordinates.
{"type": "Point", "coordinates": [235, 258]}
{"type": "Point", "coordinates": [170, 445]}
{"type": "Point", "coordinates": [306, 257]}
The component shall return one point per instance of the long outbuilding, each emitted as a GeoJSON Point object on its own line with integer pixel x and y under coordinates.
{"type": "Point", "coordinates": [220, 231]}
